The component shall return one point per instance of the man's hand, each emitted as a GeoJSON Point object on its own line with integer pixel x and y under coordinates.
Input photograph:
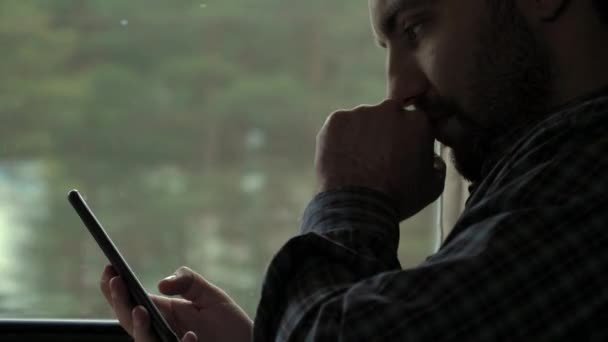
{"type": "Point", "coordinates": [382, 147]}
{"type": "Point", "coordinates": [205, 313]}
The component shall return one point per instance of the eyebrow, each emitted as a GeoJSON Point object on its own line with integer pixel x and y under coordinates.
{"type": "Point", "coordinates": [388, 17]}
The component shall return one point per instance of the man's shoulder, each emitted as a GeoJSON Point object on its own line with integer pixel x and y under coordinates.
{"type": "Point", "coordinates": [555, 175]}
{"type": "Point", "coordinates": [563, 158]}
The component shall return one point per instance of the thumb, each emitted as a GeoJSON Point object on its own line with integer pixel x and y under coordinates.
{"type": "Point", "coordinates": [193, 287]}
{"type": "Point", "coordinates": [190, 337]}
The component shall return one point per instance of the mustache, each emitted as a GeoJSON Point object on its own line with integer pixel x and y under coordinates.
{"type": "Point", "coordinates": [443, 107]}
{"type": "Point", "coordinates": [439, 107]}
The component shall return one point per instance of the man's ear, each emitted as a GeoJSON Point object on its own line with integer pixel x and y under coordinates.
{"type": "Point", "coordinates": [545, 10]}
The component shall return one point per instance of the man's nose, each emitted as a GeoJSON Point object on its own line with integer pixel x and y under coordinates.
{"type": "Point", "coordinates": [405, 79]}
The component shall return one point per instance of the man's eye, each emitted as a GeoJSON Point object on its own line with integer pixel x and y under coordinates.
{"type": "Point", "coordinates": [412, 32]}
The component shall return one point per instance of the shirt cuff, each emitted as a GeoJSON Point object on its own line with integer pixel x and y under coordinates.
{"type": "Point", "coordinates": [350, 206]}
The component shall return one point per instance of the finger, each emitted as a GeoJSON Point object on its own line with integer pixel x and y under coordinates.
{"type": "Point", "coordinates": [104, 283]}
{"type": "Point", "coordinates": [172, 309]}
{"type": "Point", "coordinates": [164, 304]}
{"type": "Point", "coordinates": [190, 337]}
{"type": "Point", "coordinates": [399, 105]}
{"type": "Point", "coordinates": [121, 304]}
{"type": "Point", "coordinates": [141, 325]}
{"type": "Point", "coordinates": [193, 287]}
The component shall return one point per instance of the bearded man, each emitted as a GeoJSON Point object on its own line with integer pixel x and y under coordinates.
{"type": "Point", "coordinates": [519, 90]}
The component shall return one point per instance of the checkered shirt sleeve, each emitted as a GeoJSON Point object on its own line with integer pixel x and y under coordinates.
{"type": "Point", "coordinates": [527, 260]}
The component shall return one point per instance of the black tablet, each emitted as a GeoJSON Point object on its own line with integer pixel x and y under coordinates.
{"type": "Point", "coordinates": [138, 294]}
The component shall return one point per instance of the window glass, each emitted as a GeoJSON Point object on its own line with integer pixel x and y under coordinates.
{"type": "Point", "coordinates": [189, 126]}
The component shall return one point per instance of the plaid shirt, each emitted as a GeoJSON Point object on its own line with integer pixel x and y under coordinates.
{"type": "Point", "coordinates": [527, 259]}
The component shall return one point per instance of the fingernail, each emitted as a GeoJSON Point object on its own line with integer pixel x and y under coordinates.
{"type": "Point", "coordinates": [190, 336]}
{"type": "Point", "coordinates": [170, 278]}
{"type": "Point", "coordinates": [113, 283]}
{"type": "Point", "coordinates": [135, 317]}
{"type": "Point", "coordinates": [410, 108]}
{"type": "Point", "coordinates": [138, 315]}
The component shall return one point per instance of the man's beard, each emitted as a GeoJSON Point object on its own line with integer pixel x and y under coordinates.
{"type": "Point", "coordinates": [510, 88]}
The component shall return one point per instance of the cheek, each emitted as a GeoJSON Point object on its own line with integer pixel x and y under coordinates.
{"type": "Point", "coordinates": [452, 60]}
{"type": "Point", "coordinates": [447, 68]}
{"type": "Point", "coordinates": [448, 72]}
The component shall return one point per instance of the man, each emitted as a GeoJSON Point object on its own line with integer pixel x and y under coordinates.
{"type": "Point", "coordinates": [519, 90]}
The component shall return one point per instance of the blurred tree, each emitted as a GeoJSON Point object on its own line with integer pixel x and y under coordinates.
{"type": "Point", "coordinates": [188, 125]}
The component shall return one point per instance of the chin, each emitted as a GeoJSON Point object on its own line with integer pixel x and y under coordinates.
{"type": "Point", "coordinates": [468, 161]}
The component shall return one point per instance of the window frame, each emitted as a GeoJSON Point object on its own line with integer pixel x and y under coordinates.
{"type": "Point", "coordinates": [51, 330]}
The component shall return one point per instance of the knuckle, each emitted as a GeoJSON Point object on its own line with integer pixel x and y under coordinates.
{"type": "Point", "coordinates": [388, 103]}
{"type": "Point", "coordinates": [337, 119]}
{"type": "Point", "coordinates": [337, 115]}
{"type": "Point", "coordinates": [363, 107]}
{"type": "Point", "coordinates": [186, 273]}
{"type": "Point", "coordinates": [183, 270]}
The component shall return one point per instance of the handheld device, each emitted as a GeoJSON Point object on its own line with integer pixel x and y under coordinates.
{"type": "Point", "coordinates": [138, 294]}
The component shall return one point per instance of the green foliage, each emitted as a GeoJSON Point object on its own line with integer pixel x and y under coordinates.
{"type": "Point", "coordinates": [188, 125]}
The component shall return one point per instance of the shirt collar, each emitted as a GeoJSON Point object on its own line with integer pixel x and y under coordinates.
{"type": "Point", "coordinates": [555, 115]}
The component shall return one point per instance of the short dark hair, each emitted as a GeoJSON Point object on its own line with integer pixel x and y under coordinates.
{"type": "Point", "coordinates": [601, 6]}
{"type": "Point", "coordinates": [602, 9]}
